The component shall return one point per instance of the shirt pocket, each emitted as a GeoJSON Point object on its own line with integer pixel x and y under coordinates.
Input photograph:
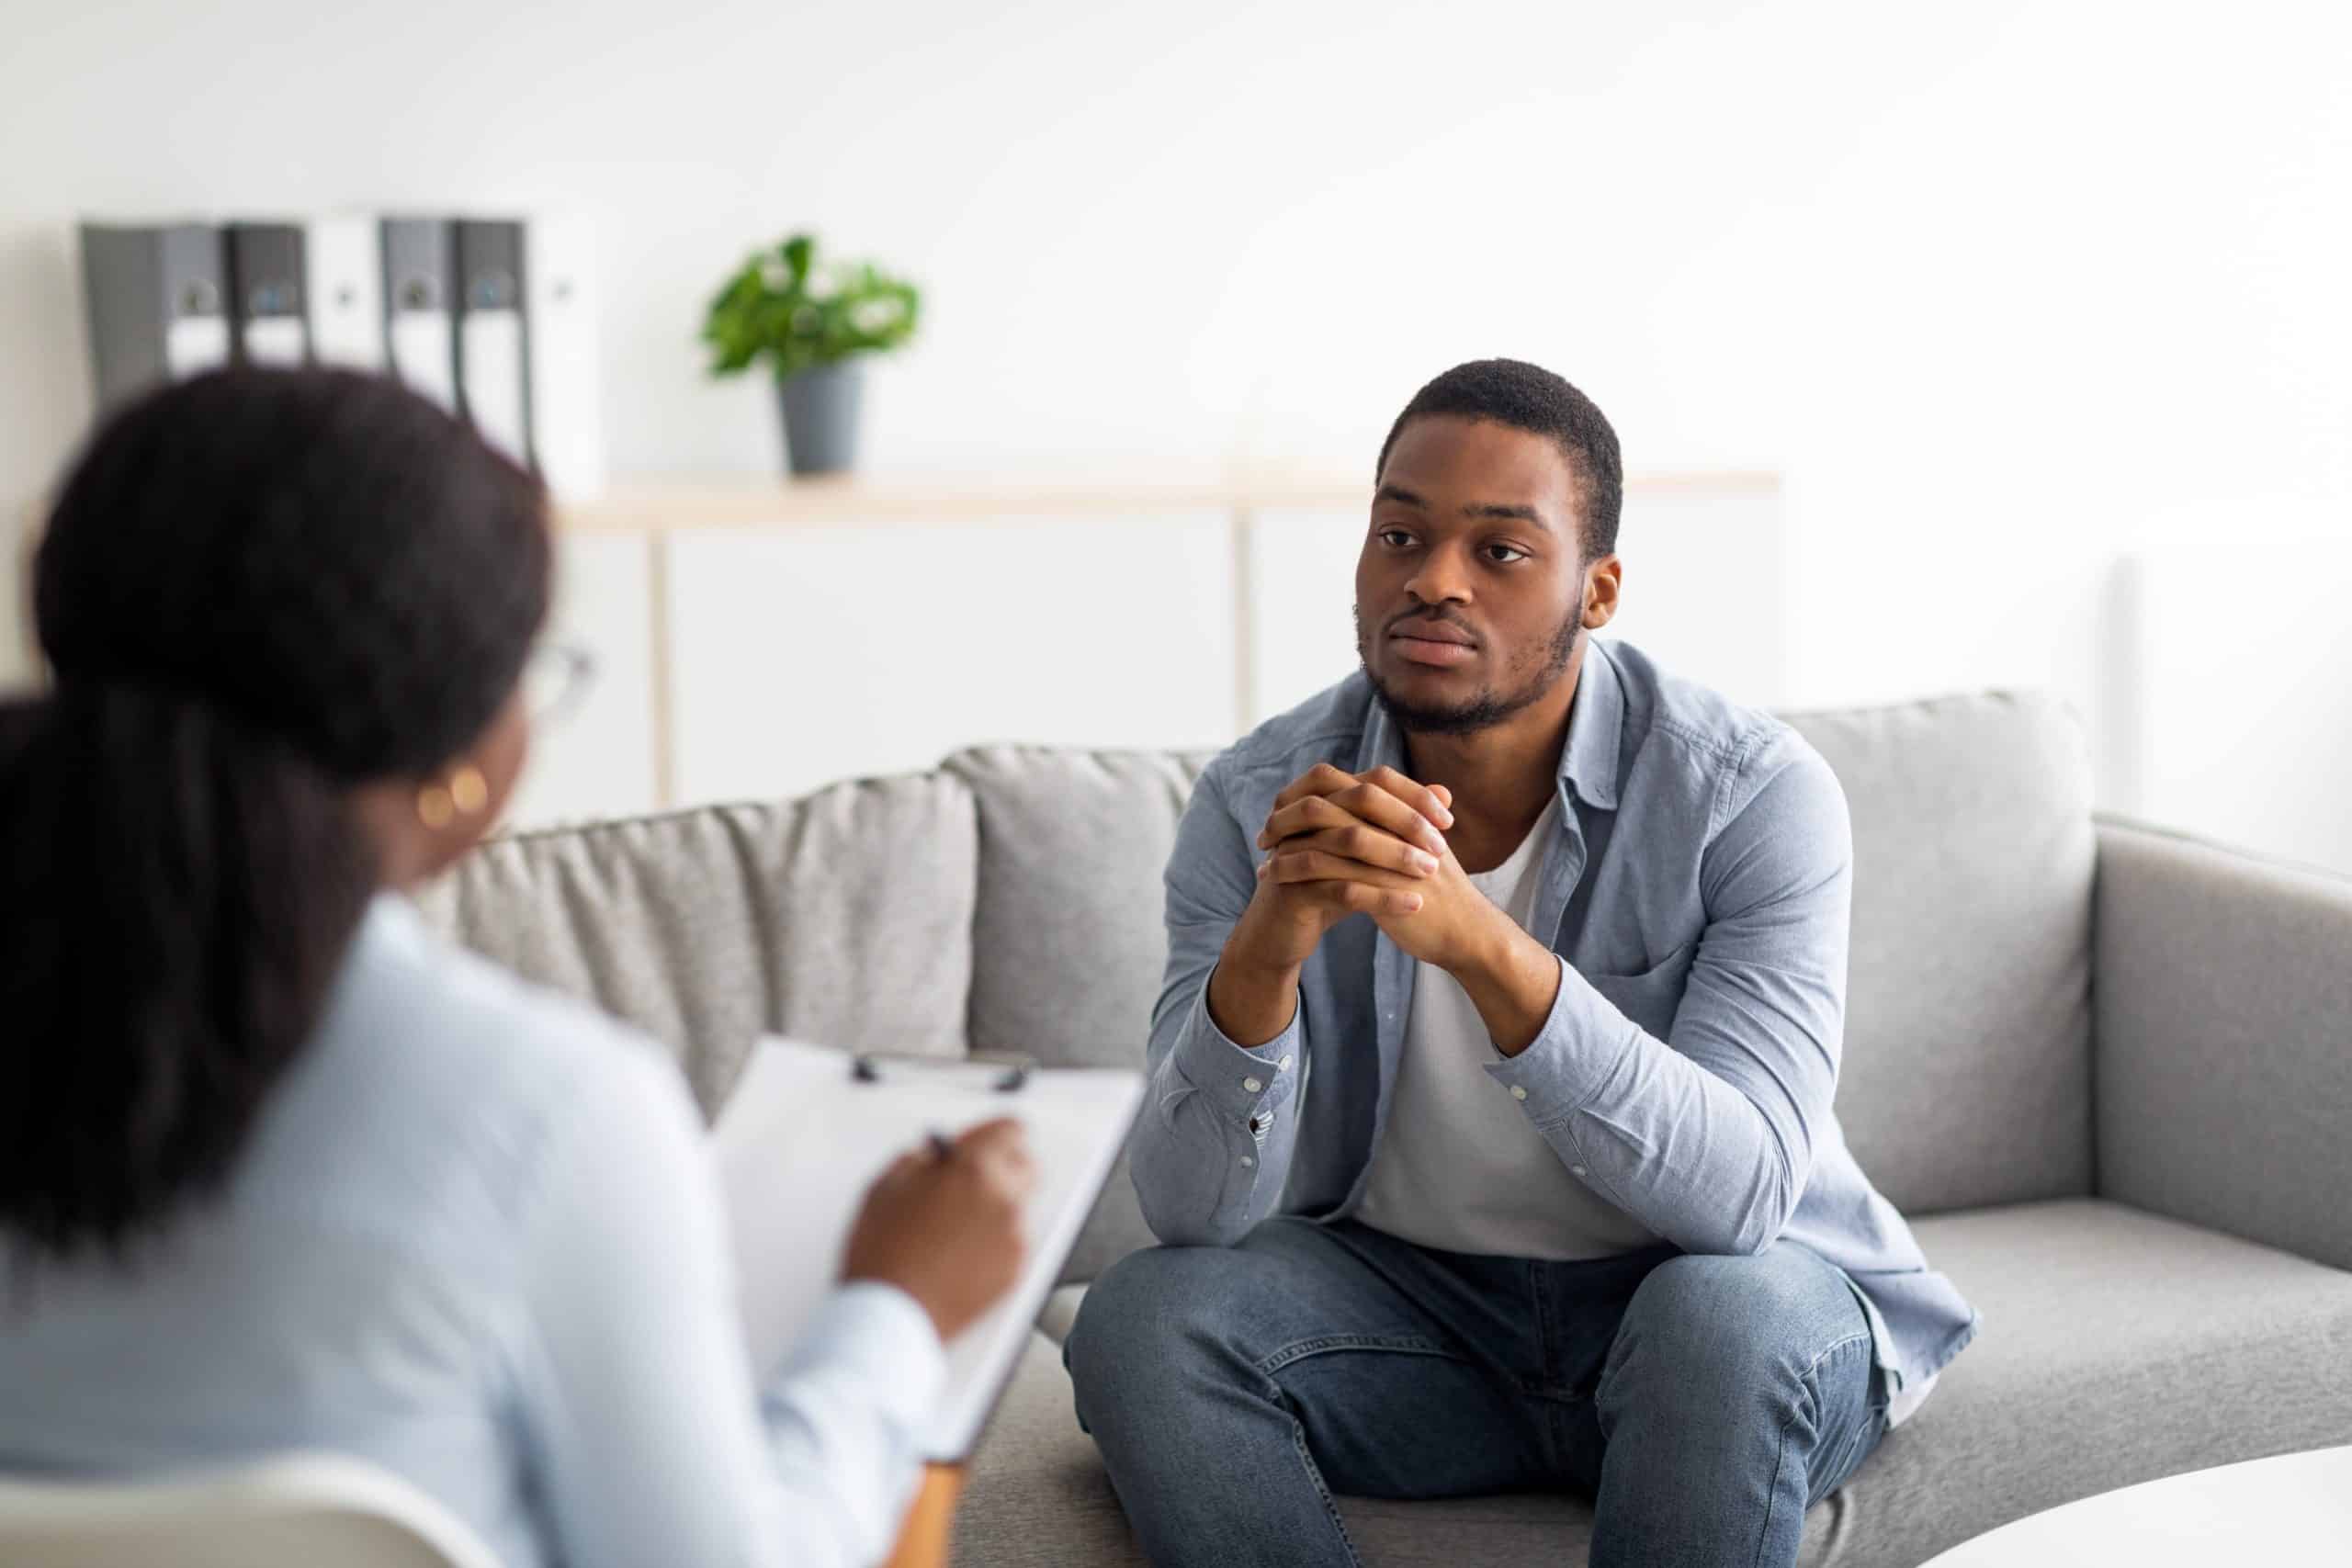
{"type": "Point", "coordinates": [1651, 997]}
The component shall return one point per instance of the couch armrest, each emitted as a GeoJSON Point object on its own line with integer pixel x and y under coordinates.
{"type": "Point", "coordinates": [2223, 1005]}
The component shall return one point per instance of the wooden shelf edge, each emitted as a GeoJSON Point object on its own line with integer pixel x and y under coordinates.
{"type": "Point", "coordinates": [656, 508]}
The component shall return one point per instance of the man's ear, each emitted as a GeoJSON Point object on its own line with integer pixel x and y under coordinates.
{"type": "Point", "coordinates": [1603, 580]}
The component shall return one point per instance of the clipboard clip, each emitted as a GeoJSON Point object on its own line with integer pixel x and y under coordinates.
{"type": "Point", "coordinates": [1008, 1071]}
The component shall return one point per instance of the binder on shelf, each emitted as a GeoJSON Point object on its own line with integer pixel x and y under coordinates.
{"type": "Point", "coordinates": [343, 268]}
{"type": "Point", "coordinates": [156, 297]}
{"type": "Point", "coordinates": [265, 293]}
{"type": "Point", "coordinates": [559, 313]}
{"type": "Point", "coordinates": [494, 332]}
{"type": "Point", "coordinates": [494, 318]}
{"type": "Point", "coordinates": [419, 336]}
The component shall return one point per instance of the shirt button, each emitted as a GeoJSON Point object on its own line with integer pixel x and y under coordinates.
{"type": "Point", "coordinates": [1576, 1171]}
{"type": "Point", "coordinates": [1518, 1091]}
{"type": "Point", "coordinates": [1248, 1160]}
{"type": "Point", "coordinates": [1283, 1066]}
{"type": "Point", "coordinates": [1252, 1085]}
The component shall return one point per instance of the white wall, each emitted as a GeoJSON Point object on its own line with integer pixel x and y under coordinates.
{"type": "Point", "coordinates": [1999, 287]}
{"type": "Point", "coordinates": [2243, 732]}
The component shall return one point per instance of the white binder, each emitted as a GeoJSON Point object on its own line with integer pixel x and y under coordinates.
{"type": "Point", "coordinates": [343, 266]}
{"type": "Point", "coordinates": [559, 310]}
{"type": "Point", "coordinates": [821, 1125]}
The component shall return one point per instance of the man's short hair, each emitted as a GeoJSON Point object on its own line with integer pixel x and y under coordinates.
{"type": "Point", "coordinates": [1529, 398]}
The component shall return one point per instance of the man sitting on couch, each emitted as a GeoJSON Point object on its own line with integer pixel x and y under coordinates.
{"type": "Point", "coordinates": [1529, 1179]}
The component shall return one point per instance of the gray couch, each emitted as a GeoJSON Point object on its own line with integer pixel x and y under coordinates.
{"type": "Point", "coordinates": [2108, 1073]}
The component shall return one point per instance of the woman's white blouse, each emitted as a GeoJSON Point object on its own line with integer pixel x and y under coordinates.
{"type": "Point", "coordinates": [476, 1239]}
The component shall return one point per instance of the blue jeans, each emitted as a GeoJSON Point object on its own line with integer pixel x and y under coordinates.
{"type": "Point", "coordinates": [1703, 1404]}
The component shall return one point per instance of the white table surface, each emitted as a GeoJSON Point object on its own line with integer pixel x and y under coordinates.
{"type": "Point", "coordinates": [2296, 1508]}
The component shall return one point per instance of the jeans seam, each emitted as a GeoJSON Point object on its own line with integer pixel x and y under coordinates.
{"type": "Point", "coordinates": [1315, 1474]}
{"type": "Point", "coordinates": [1327, 1344]}
{"type": "Point", "coordinates": [1781, 1454]}
{"type": "Point", "coordinates": [1542, 1315]}
{"type": "Point", "coordinates": [1833, 1349]}
{"type": "Point", "coordinates": [1401, 1345]}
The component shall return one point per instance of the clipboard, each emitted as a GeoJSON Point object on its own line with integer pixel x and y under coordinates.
{"type": "Point", "coordinates": [809, 1128]}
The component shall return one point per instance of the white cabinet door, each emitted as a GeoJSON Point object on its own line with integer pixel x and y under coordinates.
{"type": "Point", "coordinates": [811, 653]}
{"type": "Point", "coordinates": [1706, 594]}
{"type": "Point", "coordinates": [598, 760]}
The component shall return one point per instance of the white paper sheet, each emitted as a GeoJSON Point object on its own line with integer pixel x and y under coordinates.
{"type": "Point", "coordinates": [802, 1140]}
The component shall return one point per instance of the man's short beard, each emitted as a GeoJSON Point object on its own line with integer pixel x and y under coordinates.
{"type": "Point", "coordinates": [1487, 708]}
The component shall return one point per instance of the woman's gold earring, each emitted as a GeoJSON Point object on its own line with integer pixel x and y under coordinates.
{"type": "Point", "coordinates": [467, 792]}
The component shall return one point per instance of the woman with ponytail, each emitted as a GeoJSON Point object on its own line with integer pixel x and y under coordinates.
{"type": "Point", "coordinates": [279, 1172]}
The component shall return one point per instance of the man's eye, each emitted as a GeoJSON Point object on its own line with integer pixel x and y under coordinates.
{"type": "Point", "coordinates": [1394, 538]}
{"type": "Point", "coordinates": [1505, 555]}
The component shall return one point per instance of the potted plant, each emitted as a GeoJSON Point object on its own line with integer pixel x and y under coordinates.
{"type": "Point", "coordinates": [813, 322]}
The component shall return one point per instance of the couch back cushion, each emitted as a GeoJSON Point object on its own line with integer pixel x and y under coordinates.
{"type": "Point", "coordinates": [845, 917]}
{"type": "Point", "coordinates": [1967, 1074]}
{"type": "Point", "coordinates": [1071, 945]}
{"type": "Point", "coordinates": [1967, 1057]}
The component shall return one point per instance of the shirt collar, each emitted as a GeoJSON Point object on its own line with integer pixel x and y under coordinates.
{"type": "Point", "coordinates": [1596, 726]}
{"type": "Point", "coordinates": [1589, 760]}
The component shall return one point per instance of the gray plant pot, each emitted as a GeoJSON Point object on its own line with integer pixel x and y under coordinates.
{"type": "Point", "coordinates": [820, 417]}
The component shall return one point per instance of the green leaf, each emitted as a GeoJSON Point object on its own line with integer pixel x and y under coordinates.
{"type": "Point", "coordinates": [786, 307]}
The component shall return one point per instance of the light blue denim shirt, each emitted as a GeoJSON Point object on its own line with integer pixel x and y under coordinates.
{"type": "Point", "coordinates": [476, 1239]}
{"type": "Point", "coordinates": [1697, 892]}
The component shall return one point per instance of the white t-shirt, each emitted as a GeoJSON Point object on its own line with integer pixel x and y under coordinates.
{"type": "Point", "coordinates": [1459, 1166]}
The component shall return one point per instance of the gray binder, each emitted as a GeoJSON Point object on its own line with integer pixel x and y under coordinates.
{"type": "Point", "coordinates": [419, 278]}
{"type": "Point", "coordinates": [494, 334]}
{"type": "Point", "coordinates": [157, 304]}
{"type": "Point", "coordinates": [268, 293]}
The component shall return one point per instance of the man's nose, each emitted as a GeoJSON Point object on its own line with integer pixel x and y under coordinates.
{"type": "Point", "coordinates": [1444, 577]}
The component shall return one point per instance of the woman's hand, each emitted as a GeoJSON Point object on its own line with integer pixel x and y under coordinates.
{"type": "Point", "coordinates": [946, 1227]}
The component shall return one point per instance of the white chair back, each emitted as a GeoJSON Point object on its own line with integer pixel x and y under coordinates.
{"type": "Point", "coordinates": [298, 1511]}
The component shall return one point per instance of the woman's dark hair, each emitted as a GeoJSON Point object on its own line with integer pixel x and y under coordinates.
{"type": "Point", "coordinates": [257, 589]}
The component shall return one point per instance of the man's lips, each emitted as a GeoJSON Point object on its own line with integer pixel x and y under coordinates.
{"type": "Point", "coordinates": [1439, 643]}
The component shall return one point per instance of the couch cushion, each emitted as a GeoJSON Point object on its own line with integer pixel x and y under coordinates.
{"type": "Point", "coordinates": [2119, 1348]}
{"type": "Point", "coordinates": [1967, 1073]}
{"type": "Point", "coordinates": [844, 918]}
{"type": "Point", "coordinates": [1069, 947]}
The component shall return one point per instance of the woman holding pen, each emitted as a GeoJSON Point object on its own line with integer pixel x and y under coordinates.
{"type": "Point", "coordinates": [280, 1170]}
